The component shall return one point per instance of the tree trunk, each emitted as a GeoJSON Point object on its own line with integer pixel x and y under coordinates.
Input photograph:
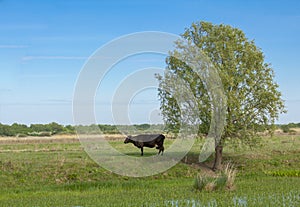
{"type": "Point", "coordinates": [218, 158]}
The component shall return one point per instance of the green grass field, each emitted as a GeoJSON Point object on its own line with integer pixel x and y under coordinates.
{"type": "Point", "coordinates": [59, 173]}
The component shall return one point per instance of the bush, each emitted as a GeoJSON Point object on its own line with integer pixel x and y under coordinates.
{"type": "Point", "coordinates": [287, 128]}
{"type": "Point", "coordinates": [40, 134]}
{"type": "Point", "coordinates": [224, 180]}
{"type": "Point", "coordinates": [203, 181]}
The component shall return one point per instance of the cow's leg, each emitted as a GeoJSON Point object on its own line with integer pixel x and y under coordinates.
{"type": "Point", "coordinates": [158, 147]}
{"type": "Point", "coordinates": [142, 151]}
{"type": "Point", "coordinates": [161, 150]}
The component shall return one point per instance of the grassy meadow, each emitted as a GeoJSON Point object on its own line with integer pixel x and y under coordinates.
{"type": "Point", "coordinates": [58, 172]}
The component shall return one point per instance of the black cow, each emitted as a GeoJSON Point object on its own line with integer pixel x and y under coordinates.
{"type": "Point", "coordinates": [147, 140]}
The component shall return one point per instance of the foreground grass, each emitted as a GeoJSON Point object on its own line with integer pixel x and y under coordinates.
{"type": "Point", "coordinates": [61, 174]}
{"type": "Point", "coordinates": [168, 192]}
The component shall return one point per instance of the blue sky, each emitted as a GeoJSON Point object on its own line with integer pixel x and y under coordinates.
{"type": "Point", "coordinates": [44, 45]}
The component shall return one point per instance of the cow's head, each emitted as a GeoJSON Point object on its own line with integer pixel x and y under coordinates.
{"type": "Point", "coordinates": [127, 139]}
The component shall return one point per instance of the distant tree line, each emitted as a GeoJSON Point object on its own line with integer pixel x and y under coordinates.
{"type": "Point", "coordinates": [117, 129]}
{"type": "Point", "coordinates": [288, 128]}
{"type": "Point", "coordinates": [22, 130]}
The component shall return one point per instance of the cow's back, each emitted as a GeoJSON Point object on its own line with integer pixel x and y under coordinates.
{"type": "Point", "coordinates": [148, 137]}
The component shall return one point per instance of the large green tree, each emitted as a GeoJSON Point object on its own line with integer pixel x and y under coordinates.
{"type": "Point", "coordinates": [253, 99]}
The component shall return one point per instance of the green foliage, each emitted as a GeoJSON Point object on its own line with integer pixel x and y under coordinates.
{"type": "Point", "coordinates": [142, 126]}
{"type": "Point", "coordinates": [5, 130]}
{"type": "Point", "coordinates": [69, 129]}
{"type": "Point", "coordinates": [108, 129]}
{"type": "Point", "coordinates": [13, 130]}
{"type": "Point", "coordinates": [40, 134]}
{"type": "Point", "coordinates": [287, 128]}
{"type": "Point", "coordinates": [22, 130]}
{"type": "Point", "coordinates": [252, 95]}
{"type": "Point", "coordinates": [52, 128]}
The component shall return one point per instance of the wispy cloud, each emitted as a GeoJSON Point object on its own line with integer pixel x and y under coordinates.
{"type": "Point", "coordinates": [22, 26]}
{"type": "Point", "coordinates": [57, 101]}
{"type": "Point", "coordinates": [147, 60]}
{"type": "Point", "coordinates": [28, 58]}
{"type": "Point", "coordinates": [49, 102]}
{"type": "Point", "coordinates": [13, 46]}
{"type": "Point", "coordinates": [59, 57]}
{"type": "Point", "coordinates": [5, 90]}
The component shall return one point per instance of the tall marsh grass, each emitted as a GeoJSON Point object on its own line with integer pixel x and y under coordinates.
{"type": "Point", "coordinates": [224, 180]}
